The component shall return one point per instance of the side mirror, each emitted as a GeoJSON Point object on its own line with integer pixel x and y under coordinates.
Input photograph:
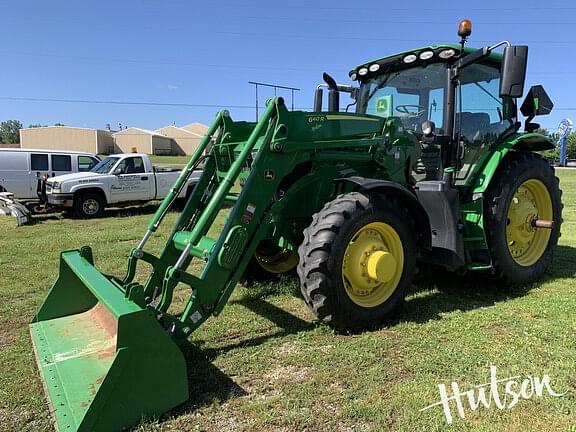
{"type": "Point", "coordinates": [537, 102]}
{"type": "Point", "coordinates": [117, 171]}
{"type": "Point", "coordinates": [513, 73]}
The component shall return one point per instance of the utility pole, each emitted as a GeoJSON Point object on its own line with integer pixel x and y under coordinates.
{"type": "Point", "coordinates": [256, 84]}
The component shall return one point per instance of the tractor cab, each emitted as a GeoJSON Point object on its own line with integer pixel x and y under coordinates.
{"type": "Point", "coordinates": [450, 102]}
{"type": "Point", "coordinates": [411, 87]}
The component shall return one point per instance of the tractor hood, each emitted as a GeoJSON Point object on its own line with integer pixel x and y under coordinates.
{"type": "Point", "coordinates": [320, 126]}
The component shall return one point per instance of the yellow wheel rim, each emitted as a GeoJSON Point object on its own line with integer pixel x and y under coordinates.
{"type": "Point", "coordinates": [526, 243]}
{"type": "Point", "coordinates": [373, 264]}
{"type": "Point", "coordinates": [281, 261]}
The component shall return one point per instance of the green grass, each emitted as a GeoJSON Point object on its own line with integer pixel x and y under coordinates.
{"type": "Point", "coordinates": [264, 364]}
{"type": "Point", "coordinates": [169, 160]}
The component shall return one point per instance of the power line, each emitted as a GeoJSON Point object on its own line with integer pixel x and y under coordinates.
{"type": "Point", "coordinates": [377, 39]}
{"type": "Point", "coordinates": [142, 103]}
{"type": "Point", "coordinates": [115, 102]}
{"type": "Point", "coordinates": [159, 63]}
{"type": "Point", "coordinates": [169, 104]}
{"type": "Point", "coordinates": [209, 65]}
{"type": "Point", "coordinates": [397, 9]}
{"type": "Point", "coordinates": [398, 21]}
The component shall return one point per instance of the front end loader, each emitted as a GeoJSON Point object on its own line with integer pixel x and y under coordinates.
{"type": "Point", "coordinates": [431, 167]}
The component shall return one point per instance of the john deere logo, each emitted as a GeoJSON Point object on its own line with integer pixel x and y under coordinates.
{"type": "Point", "coordinates": [269, 175]}
{"type": "Point", "coordinates": [382, 105]}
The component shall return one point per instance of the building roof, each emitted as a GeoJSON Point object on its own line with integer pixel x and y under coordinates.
{"type": "Point", "coordinates": [196, 126]}
{"type": "Point", "coordinates": [180, 129]}
{"type": "Point", "coordinates": [35, 150]}
{"type": "Point", "coordinates": [64, 127]}
{"type": "Point", "coordinates": [145, 131]}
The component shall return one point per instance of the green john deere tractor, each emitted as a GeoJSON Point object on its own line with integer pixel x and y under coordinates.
{"type": "Point", "coordinates": [431, 167]}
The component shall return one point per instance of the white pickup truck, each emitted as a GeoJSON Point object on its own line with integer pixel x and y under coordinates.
{"type": "Point", "coordinates": [116, 181]}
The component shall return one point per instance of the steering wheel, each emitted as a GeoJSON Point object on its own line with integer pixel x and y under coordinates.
{"type": "Point", "coordinates": [405, 109]}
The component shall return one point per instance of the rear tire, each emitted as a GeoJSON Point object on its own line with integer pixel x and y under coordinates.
{"type": "Point", "coordinates": [523, 188]}
{"type": "Point", "coordinates": [89, 205]}
{"type": "Point", "coordinates": [357, 260]}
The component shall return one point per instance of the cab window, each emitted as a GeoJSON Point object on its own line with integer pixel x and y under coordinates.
{"type": "Point", "coordinates": [132, 165]}
{"type": "Point", "coordinates": [483, 116]}
{"type": "Point", "coordinates": [411, 95]}
{"type": "Point", "coordinates": [86, 163]}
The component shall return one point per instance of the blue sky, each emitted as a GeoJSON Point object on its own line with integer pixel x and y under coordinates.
{"type": "Point", "coordinates": [185, 52]}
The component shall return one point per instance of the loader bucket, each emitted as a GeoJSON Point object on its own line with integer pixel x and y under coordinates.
{"type": "Point", "coordinates": [105, 362]}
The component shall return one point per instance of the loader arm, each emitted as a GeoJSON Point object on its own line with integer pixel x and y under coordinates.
{"type": "Point", "coordinates": [226, 256]}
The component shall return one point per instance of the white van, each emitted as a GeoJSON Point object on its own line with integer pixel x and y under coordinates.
{"type": "Point", "coordinates": [21, 168]}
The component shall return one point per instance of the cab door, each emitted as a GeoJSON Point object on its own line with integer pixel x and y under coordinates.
{"type": "Point", "coordinates": [482, 118]}
{"type": "Point", "coordinates": [132, 182]}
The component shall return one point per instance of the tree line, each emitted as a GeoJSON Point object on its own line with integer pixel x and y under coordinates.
{"type": "Point", "coordinates": [10, 130]}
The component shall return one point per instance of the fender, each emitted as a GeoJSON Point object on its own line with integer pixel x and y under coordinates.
{"type": "Point", "coordinates": [519, 142]}
{"type": "Point", "coordinates": [404, 195]}
{"type": "Point", "coordinates": [90, 186]}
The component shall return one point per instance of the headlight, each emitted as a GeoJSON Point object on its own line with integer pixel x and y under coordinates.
{"type": "Point", "coordinates": [56, 185]}
{"type": "Point", "coordinates": [362, 71]}
{"type": "Point", "coordinates": [447, 53]}
{"type": "Point", "coordinates": [409, 58]}
{"type": "Point", "coordinates": [374, 67]}
{"type": "Point", "coordinates": [425, 55]}
{"type": "Point", "coordinates": [353, 76]}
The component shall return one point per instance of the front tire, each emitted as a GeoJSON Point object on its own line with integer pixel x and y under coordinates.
{"type": "Point", "coordinates": [523, 190]}
{"type": "Point", "coordinates": [357, 260]}
{"type": "Point", "coordinates": [268, 263]}
{"type": "Point", "coordinates": [89, 205]}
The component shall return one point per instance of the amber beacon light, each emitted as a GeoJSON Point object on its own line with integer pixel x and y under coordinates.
{"type": "Point", "coordinates": [465, 28]}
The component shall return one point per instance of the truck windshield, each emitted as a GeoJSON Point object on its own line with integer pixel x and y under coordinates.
{"type": "Point", "coordinates": [105, 165]}
{"type": "Point", "coordinates": [413, 95]}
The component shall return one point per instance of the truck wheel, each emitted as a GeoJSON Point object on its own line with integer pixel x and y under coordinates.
{"type": "Point", "coordinates": [88, 205]}
{"type": "Point", "coordinates": [269, 261]}
{"type": "Point", "coordinates": [357, 260]}
{"type": "Point", "coordinates": [523, 190]}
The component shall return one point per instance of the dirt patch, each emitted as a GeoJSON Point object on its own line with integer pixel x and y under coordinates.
{"type": "Point", "coordinates": [289, 373]}
{"type": "Point", "coordinates": [288, 348]}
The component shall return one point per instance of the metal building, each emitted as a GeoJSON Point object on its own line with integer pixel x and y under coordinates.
{"type": "Point", "coordinates": [67, 138]}
{"type": "Point", "coordinates": [185, 142]}
{"type": "Point", "coordinates": [142, 141]}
